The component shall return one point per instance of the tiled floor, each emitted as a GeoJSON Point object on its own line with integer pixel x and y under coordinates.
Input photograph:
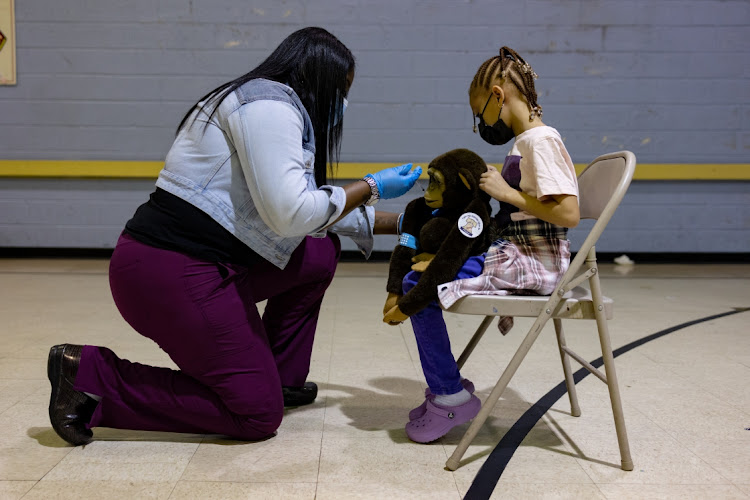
{"type": "Point", "coordinates": [686, 397]}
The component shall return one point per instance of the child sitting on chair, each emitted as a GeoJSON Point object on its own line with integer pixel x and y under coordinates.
{"type": "Point", "coordinates": [538, 194]}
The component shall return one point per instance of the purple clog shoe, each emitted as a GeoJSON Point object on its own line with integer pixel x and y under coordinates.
{"type": "Point", "coordinates": [428, 395]}
{"type": "Point", "coordinates": [438, 420]}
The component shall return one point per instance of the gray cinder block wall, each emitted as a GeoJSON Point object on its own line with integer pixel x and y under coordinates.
{"type": "Point", "coordinates": [666, 79]}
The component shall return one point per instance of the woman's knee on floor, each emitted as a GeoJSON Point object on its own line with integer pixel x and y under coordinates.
{"type": "Point", "coordinates": [257, 411]}
{"type": "Point", "coordinates": [258, 426]}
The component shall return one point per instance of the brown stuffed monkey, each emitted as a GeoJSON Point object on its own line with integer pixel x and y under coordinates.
{"type": "Point", "coordinates": [439, 232]}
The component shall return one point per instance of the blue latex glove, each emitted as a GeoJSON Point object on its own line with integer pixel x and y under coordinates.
{"type": "Point", "coordinates": [396, 181]}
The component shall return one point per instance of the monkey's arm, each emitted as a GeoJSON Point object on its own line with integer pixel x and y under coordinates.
{"type": "Point", "coordinates": [415, 215]}
{"type": "Point", "coordinates": [445, 265]}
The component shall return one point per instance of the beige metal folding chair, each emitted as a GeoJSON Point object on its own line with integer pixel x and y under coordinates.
{"type": "Point", "coordinates": [601, 186]}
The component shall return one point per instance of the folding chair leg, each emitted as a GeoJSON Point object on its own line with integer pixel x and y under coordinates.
{"type": "Point", "coordinates": [491, 401]}
{"type": "Point", "coordinates": [474, 341]}
{"type": "Point", "coordinates": [609, 366]}
{"type": "Point", "coordinates": [575, 410]}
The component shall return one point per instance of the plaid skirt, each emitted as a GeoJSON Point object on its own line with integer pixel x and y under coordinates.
{"type": "Point", "coordinates": [528, 258]}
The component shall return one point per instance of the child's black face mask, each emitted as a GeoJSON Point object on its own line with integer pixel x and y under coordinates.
{"type": "Point", "coordinates": [496, 134]}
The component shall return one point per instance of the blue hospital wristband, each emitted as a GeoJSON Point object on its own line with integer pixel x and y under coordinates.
{"type": "Point", "coordinates": [408, 240]}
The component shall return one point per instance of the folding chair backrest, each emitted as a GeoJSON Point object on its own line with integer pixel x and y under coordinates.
{"type": "Point", "coordinates": [601, 187]}
{"type": "Point", "coordinates": [604, 182]}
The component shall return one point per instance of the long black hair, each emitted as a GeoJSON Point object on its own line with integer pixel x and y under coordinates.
{"type": "Point", "coordinates": [316, 65]}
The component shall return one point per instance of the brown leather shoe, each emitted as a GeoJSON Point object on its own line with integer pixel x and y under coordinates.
{"type": "Point", "coordinates": [69, 410]}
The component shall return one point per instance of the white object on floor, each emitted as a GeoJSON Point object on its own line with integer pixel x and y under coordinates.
{"type": "Point", "coordinates": [624, 260]}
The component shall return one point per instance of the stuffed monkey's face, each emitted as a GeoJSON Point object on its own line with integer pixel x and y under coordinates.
{"type": "Point", "coordinates": [433, 197]}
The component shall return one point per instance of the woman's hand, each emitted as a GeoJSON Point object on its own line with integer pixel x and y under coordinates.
{"type": "Point", "coordinates": [396, 181]}
{"type": "Point", "coordinates": [493, 184]}
{"type": "Point", "coordinates": [395, 317]}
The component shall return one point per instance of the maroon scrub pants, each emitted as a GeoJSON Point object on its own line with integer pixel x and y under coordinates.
{"type": "Point", "coordinates": [232, 362]}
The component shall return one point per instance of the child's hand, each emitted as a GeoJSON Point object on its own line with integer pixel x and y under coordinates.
{"type": "Point", "coordinates": [421, 261]}
{"type": "Point", "coordinates": [395, 317]}
{"type": "Point", "coordinates": [390, 302]}
{"type": "Point", "coordinates": [494, 185]}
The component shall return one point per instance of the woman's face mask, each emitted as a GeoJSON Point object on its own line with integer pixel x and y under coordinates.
{"type": "Point", "coordinates": [496, 134]}
{"type": "Point", "coordinates": [337, 118]}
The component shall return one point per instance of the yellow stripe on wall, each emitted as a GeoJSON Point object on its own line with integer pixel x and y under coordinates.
{"type": "Point", "coordinates": [95, 169]}
{"type": "Point", "coordinates": [80, 169]}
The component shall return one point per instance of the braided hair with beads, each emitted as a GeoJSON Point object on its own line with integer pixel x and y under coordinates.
{"type": "Point", "coordinates": [508, 64]}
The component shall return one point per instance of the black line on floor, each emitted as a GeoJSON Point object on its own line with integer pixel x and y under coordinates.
{"type": "Point", "coordinates": [489, 474]}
